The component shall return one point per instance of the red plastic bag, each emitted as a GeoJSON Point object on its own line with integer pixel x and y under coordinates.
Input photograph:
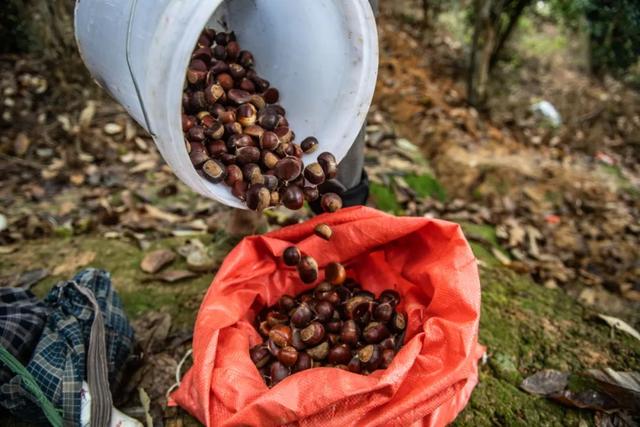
{"type": "Point", "coordinates": [428, 383]}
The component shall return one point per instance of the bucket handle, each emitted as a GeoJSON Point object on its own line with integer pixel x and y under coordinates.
{"type": "Point", "coordinates": [132, 13]}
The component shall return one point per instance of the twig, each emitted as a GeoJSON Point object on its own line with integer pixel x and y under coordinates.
{"type": "Point", "coordinates": [22, 162]}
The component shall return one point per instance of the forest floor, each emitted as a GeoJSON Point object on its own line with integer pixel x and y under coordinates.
{"type": "Point", "coordinates": [551, 212]}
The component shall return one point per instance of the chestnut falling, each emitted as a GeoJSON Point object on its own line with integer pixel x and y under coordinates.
{"type": "Point", "coordinates": [341, 326]}
{"type": "Point", "coordinates": [236, 133]}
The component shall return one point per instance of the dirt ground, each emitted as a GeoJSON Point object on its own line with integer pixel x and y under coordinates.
{"type": "Point", "coordinates": [551, 212]}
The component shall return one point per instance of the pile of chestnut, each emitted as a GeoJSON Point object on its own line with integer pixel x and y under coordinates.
{"type": "Point", "coordinates": [237, 133]}
{"type": "Point", "coordinates": [337, 324]}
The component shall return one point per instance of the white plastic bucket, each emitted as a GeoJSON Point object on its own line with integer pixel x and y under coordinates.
{"type": "Point", "coordinates": [321, 54]}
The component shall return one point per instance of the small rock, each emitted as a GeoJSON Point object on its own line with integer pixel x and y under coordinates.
{"type": "Point", "coordinates": [154, 261]}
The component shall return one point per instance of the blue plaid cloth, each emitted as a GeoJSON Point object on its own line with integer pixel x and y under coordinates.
{"type": "Point", "coordinates": [58, 363]}
{"type": "Point", "coordinates": [22, 317]}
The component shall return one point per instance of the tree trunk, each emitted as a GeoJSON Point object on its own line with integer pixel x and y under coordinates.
{"type": "Point", "coordinates": [46, 27]}
{"type": "Point", "coordinates": [484, 40]}
{"type": "Point", "coordinates": [513, 18]}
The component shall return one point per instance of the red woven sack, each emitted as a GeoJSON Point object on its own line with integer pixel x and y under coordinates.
{"type": "Point", "coordinates": [428, 383]}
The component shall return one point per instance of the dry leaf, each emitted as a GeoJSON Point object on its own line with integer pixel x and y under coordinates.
{"type": "Point", "coordinates": [154, 261]}
{"type": "Point", "coordinates": [173, 276]}
{"type": "Point", "coordinates": [112, 128]}
{"type": "Point", "coordinates": [156, 213]}
{"type": "Point", "coordinates": [146, 404]}
{"type": "Point", "coordinates": [621, 325]}
{"type": "Point", "coordinates": [21, 144]}
{"type": "Point", "coordinates": [147, 165]}
{"type": "Point", "coordinates": [74, 262]}
{"type": "Point", "coordinates": [3, 222]}
{"type": "Point", "coordinates": [87, 114]}
{"type": "Point", "coordinates": [500, 256]}
{"type": "Point", "coordinates": [546, 382]}
{"type": "Point", "coordinates": [152, 330]}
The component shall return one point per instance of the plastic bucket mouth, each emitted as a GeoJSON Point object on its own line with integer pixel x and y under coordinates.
{"type": "Point", "coordinates": [322, 55]}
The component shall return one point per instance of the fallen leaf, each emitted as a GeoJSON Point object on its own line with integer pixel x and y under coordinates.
{"type": "Point", "coordinates": [147, 165]}
{"type": "Point", "coordinates": [146, 404]}
{"type": "Point", "coordinates": [173, 276]}
{"type": "Point", "coordinates": [154, 261]}
{"type": "Point", "coordinates": [546, 382]}
{"type": "Point", "coordinates": [30, 278]}
{"type": "Point", "coordinates": [200, 262]}
{"type": "Point", "coordinates": [73, 262]}
{"type": "Point", "coordinates": [5, 250]}
{"type": "Point", "coordinates": [621, 325]}
{"type": "Point", "coordinates": [500, 256]}
{"type": "Point", "coordinates": [112, 128]}
{"type": "Point", "coordinates": [21, 144]}
{"type": "Point", "coordinates": [156, 213]}
{"type": "Point", "coordinates": [3, 222]}
{"type": "Point", "coordinates": [87, 114]}
{"type": "Point", "coordinates": [152, 330]}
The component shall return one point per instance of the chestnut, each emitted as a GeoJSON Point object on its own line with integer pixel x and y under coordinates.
{"type": "Point", "coordinates": [293, 198]}
{"type": "Point", "coordinates": [237, 96]}
{"type": "Point", "coordinates": [278, 372]}
{"type": "Point", "coordinates": [246, 155]}
{"type": "Point", "coordinates": [339, 355]}
{"type": "Point", "coordinates": [251, 173]}
{"type": "Point", "coordinates": [268, 120]}
{"type": "Point", "coordinates": [332, 297]}
{"type": "Point", "coordinates": [239, 190]}
{"type": "Point", "coordinates": [311, 193]}
{"type": "Point", "coordinates": [324, 311]}
{"type": "Point", "coordinates": [214, 171]}
{"type": "Point", "coordinates": [387, 357]}
{"type": "Point", "coordinates": [260, 355]}
{"type": "Point", "coordinates": [286, 303]}
{"type": "Point", "coordinates": [388, 343]}
{"type": "Point", "coordinates": [334, 339]}
{"type": "Point", "coordinates": [273, 348]}
{"type": "Point", "coordinates": [323, 231]}
{"type": "Point", "coordinates": [225, 81]}
{"type": "Point", "coordinates": [399, 322]}
{"type": "Point", "coordinates": [254, 131]}
{"type": "Point", "coordinates": [264, 328]}
{"type": "Point", "coordinates": [271, 95]}
{"type": "Point", "coordinates": [288, 168]}
{"type": "Point", "coordinates": [329, 165]}
{"type": "Point", "coordinates": [331, 202]}
{"type": "Point", "coordinates": [335, 273]}
{"type": "Point", "coordinates": [312, 334]}
{"type": "Point", "coordinates": [269, 140]}
{"type": "Point", "coordinates": [247, 85]}
{"type": "Point", "coordinates": [383, 312]}
{"type": "Point", "coordinates": [314, 174]}
{"type": "Point", "coordinates": [370, 357]}
{"type": "Point", "coordinates": [234, 174]}
{"type": "Point", "coordinates": [258, 198]}
{"type": "Point", "coordinates": [188, 122]}
{"type": "Point", "coordinates": [275, 318]}
{"type": "Point", "coordinates": [308, 269]}
{"type": "Point", "coordinates": [196, 134]}
{"type": "Point", "coordinates": [354, 365]}
{"type": "Point", "coordinates": [291, 256]}
{"type": "Point", "coordinates": [233, 50]}
{"type": "Point", "coordinates": [357, 307]}
{"type": "Point", "coordinates": [216, 148]}
{"type": "Point", "coordinates": [375, 332]}
{"type": "Point", "coordinates": [304, 362]}
{"type": "Point", "coordinates": [309, 145]}
{"type": "Point", "coordinates": [319, 352]}
{"type": "Point", "coordinates": [390, 296]}
{"type": "Point", "coordinates": [280, 335]}
{"type": "Point", "coordinates": [296, 340]}
{"type": "Point", "coordinates": [301, 316]}
{"type": "Point", "coordinates": [285, 135]}
{"type": "Point", "coordinates": [288, 356]}
{"type": "Point", "coordinates": [269, 160]}
{"type": "Point", "coordinates": [237, 71]}
{"type": "Point", "coordinates": [350, 333]}
{"type": "Point", "coordinates": [246, 115]}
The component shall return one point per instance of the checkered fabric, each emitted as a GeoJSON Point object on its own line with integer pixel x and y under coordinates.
{"type": "Point", "coordinates": [58, 363]}
{"type": "Point", "coordinates": [22, 317]}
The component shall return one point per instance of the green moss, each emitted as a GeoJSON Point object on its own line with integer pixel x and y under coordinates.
{"type": "Point", "coordinates": [426, 186]}
{"type": "Point", "coordinates": [527, 328]}
{"type": "Point", "coordinates": [122, 260]}
{"type": "Point", "coordinates": [384, 198]}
